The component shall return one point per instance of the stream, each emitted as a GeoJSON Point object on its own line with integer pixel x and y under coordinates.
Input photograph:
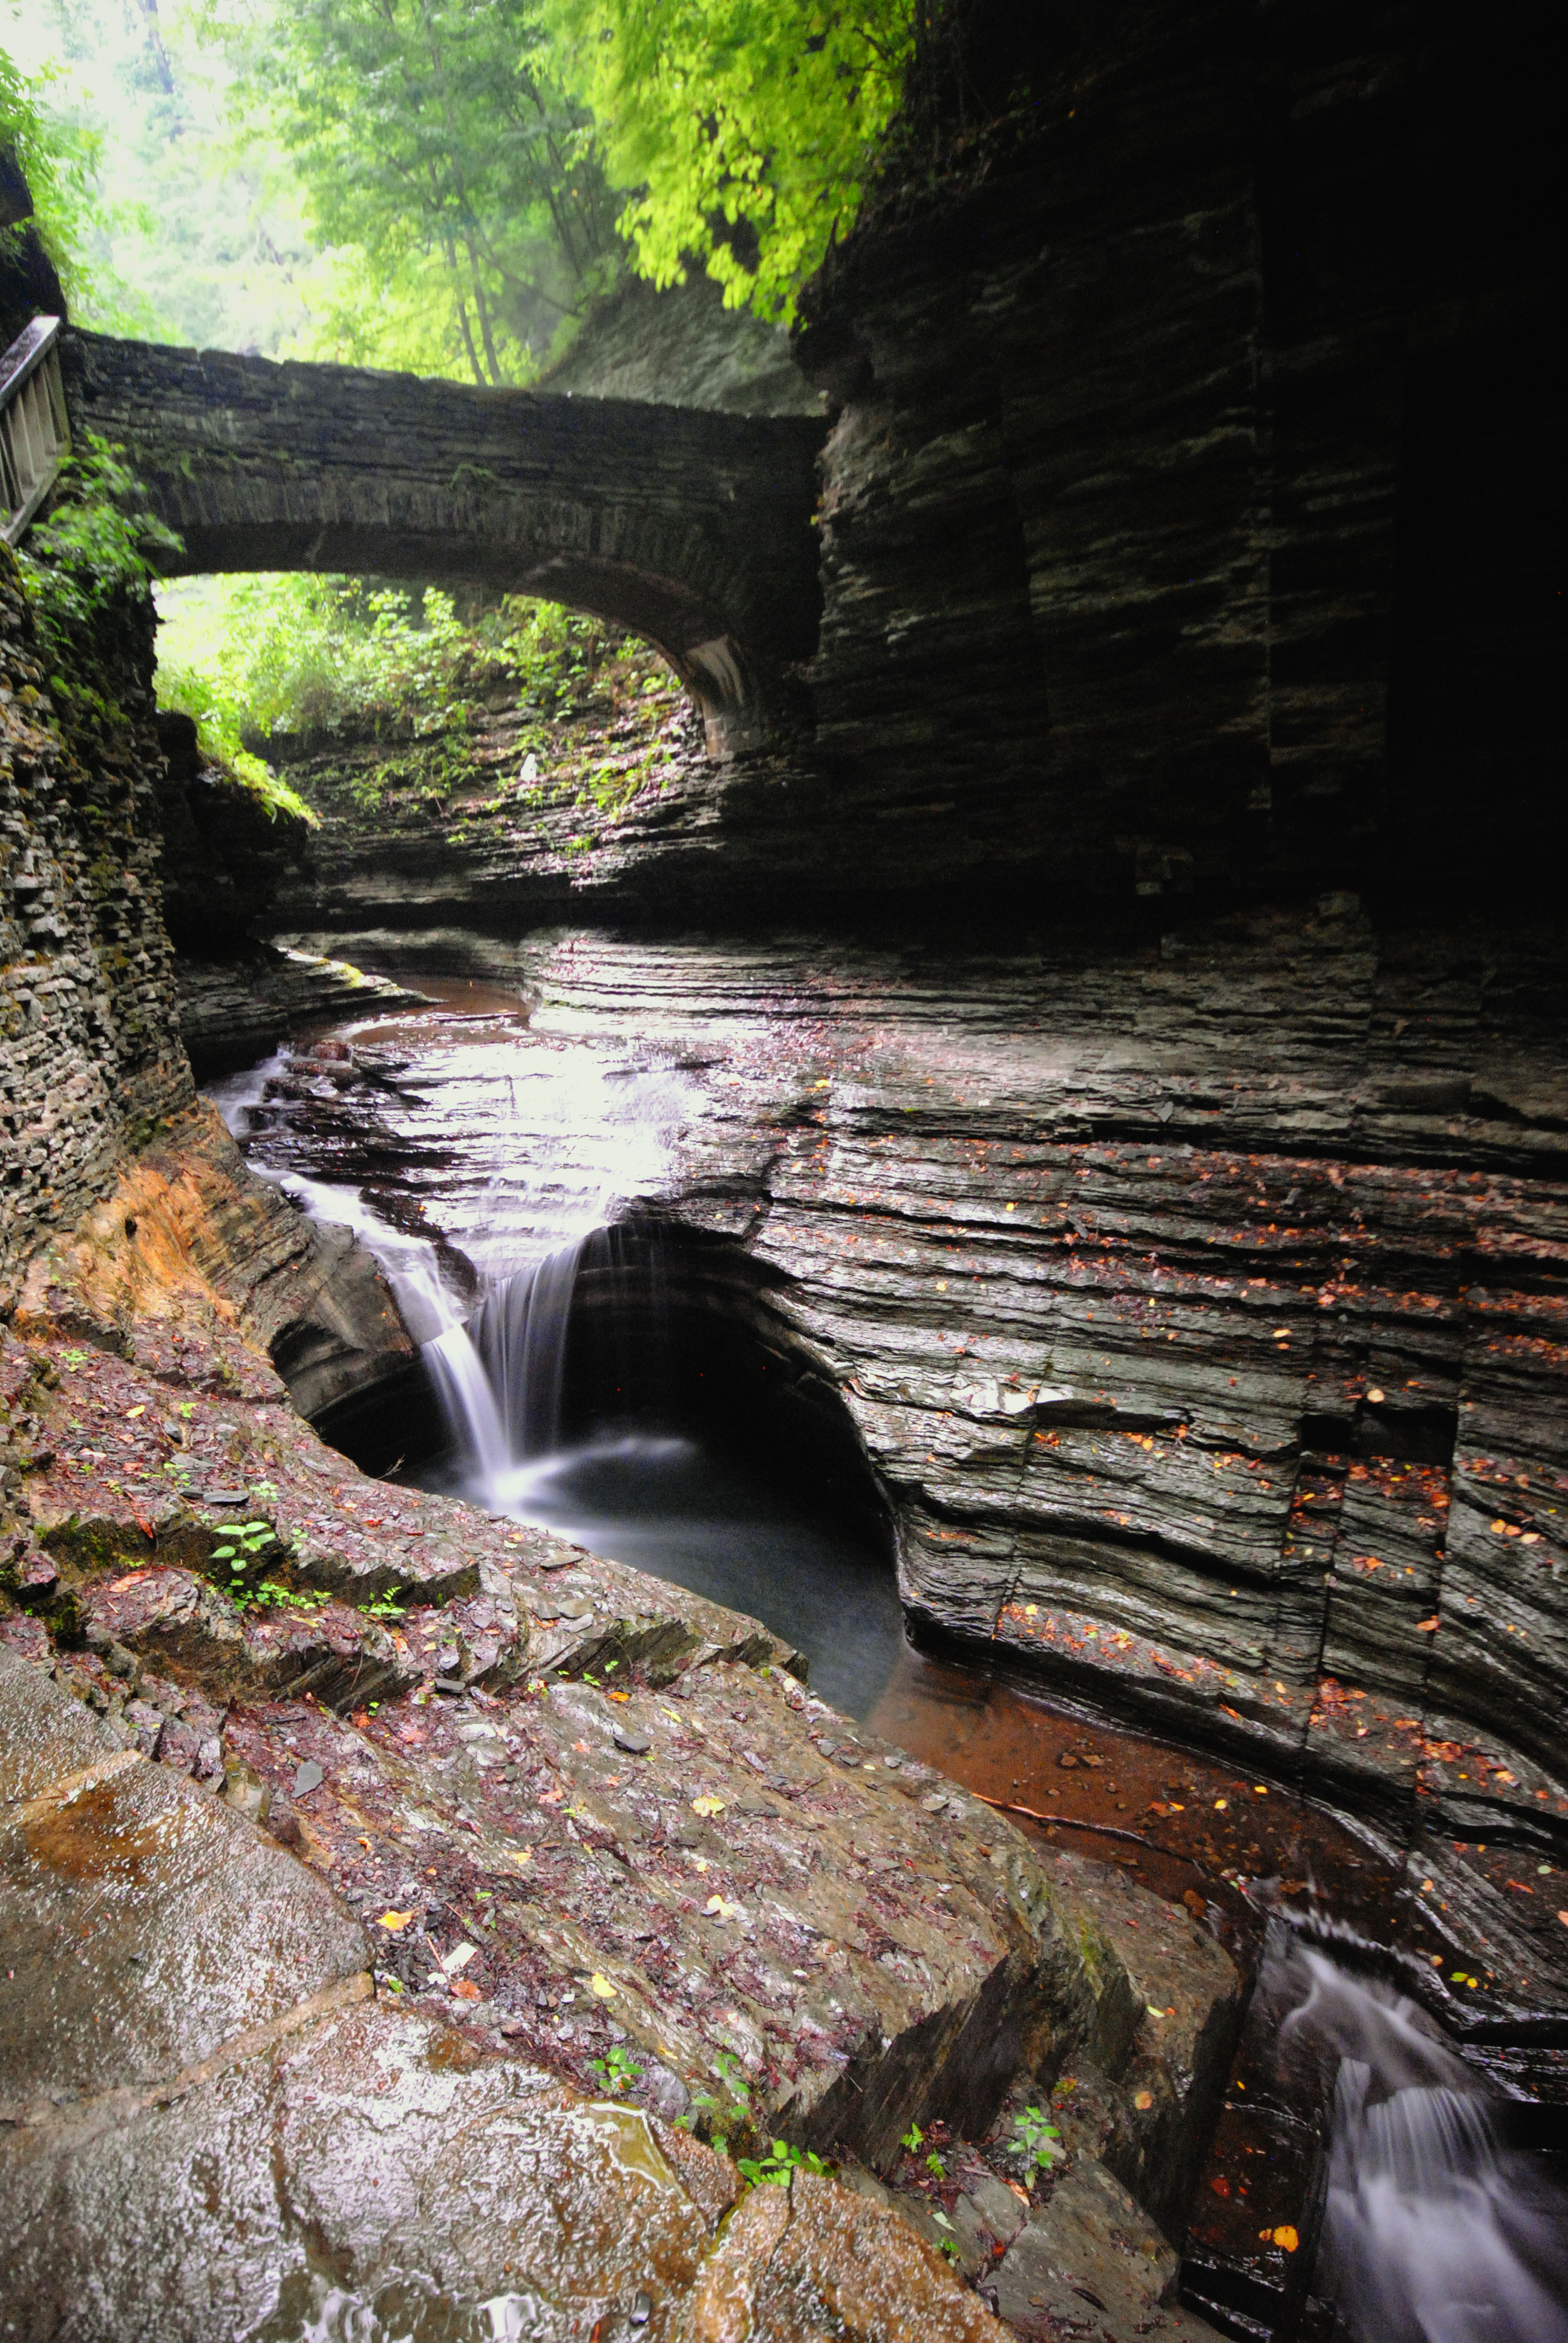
{"type": "Point", "coordinates": [487, 1167]}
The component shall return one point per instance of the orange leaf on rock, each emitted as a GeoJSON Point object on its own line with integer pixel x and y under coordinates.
{"type": "Point", "coordinates": [395, 1920]}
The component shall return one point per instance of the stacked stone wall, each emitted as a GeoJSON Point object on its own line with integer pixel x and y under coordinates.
{"type": "Point", "coordinates": [90, 1056]}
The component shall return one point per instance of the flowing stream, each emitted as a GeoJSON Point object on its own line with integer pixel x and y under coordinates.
{"type": "Point", "coordinates": [482, 1165]}
{"type": "Point", "coordinates": [1435, 2229]}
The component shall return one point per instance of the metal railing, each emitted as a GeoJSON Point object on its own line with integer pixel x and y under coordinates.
{"type": "Point", "coordinates": [35, 430]}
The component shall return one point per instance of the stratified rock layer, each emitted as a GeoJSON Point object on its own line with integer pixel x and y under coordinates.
{"type": "Point", "coordinates": [1197, 1307]}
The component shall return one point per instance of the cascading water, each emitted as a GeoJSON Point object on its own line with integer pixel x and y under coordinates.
{"type": "Point", "coordinates": [486, 1166]}
{"type": "Point", "coordinates": [1435, 2230]}
{"type": "Point", "coordinates": [530, 1149]}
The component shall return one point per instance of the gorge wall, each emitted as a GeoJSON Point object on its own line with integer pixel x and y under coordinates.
{"type": "Point", "coordinates": [1140, 867]}
{"type": "Point", "coordinates": [1139, 1009]}
{"type": "Point", "coordinates": [1188, 508]}
{"type": "Point", "coordinates": [90, 1055]}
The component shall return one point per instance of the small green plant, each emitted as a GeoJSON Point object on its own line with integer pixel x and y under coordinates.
{"type": "Point", "coordinates": [934, 2164]}
{"type": "Point", "coordinates": [778, 2165]}
{"type": "Point", "coordinates": [244, 1543]}
{"type": "Point", "coordinates": [617, 2070]}
{"type": "Point", "coordinates": [384, 1605]}
{"type": "Point", "coordinates": [914, 2139]}
{"type": "Point", "coordinates": [1035, 2139]}
{"type": "Point", "coordinates": [271, 1596]}
{"type": "Point", "coordinates": [244, 1546]}
{"type": "Point", "coordinates": [75, 1361]}
{"type": "Point", "coordinates": [186, 1408]}
{"type": "Point", "coordinates": [729, 2111]}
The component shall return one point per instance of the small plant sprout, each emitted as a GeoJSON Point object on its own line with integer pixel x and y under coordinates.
{"type": "Point", "coordinates": [241, 1548]}
{"type": "Point", "coordinates": [384, 1605]}
{"type": "Point", "coordinates": [934, 2164]}
{"type": "Point", "coordinates": [779, 2167]}
{"type": "Point", "coordinates": [1035, 2139]}
{"type": "Point", "coordinates": [75, 1361]}
{"type": "Point", "coordinates": [734, 2076]}
{"type": "Point", "coordinates": [914, 2139]}
{"type": "Point", "coordinates": [617, 2070]}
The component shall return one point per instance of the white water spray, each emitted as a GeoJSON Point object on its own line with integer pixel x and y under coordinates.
{"type": "Point", "coordinates": [1433, 2231]}
{"type": "Point", "coordinates": [531, 1147]}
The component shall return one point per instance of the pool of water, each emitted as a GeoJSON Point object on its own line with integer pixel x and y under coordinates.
{"type": "Point", "coordinates": [688, 1512]}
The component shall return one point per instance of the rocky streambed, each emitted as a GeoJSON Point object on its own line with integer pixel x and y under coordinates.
{"type": "Point", "coordinates": [430, 1890]}
{"type": "Point", "coordinates": [913, 1196]}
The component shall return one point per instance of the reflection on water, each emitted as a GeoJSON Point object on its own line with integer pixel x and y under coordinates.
{"type": "Point", "coordinates": [688, 1513]}
{"type": "Point", "coordinates": [312, 2308]}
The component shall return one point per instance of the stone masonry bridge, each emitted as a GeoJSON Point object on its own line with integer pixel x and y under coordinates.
{"type": "Point", "coordinates": [691, 527]}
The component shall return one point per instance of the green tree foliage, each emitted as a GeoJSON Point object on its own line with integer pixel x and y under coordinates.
{"type": "Point", "coordinates": [173, 232]}
{"type": "Point", "coordinates": [59, 162]}
{"type": "Point", "coordinates": [745, 129]}
{"type": "Point", "coordinates": [434, 142]}
{"type": "Point", "coordinates": [249, 656]}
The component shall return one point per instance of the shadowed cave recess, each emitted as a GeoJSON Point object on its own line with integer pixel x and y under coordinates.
{"type": "Point", "coordinates": [899, 1396]}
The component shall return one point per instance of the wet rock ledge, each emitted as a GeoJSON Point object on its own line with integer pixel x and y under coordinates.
{"type": "Point", "coordinates": [437, 1900]}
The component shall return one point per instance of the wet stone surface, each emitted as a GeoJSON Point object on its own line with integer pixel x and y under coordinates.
{"type": "Point", "coordinates": [414, 1831]}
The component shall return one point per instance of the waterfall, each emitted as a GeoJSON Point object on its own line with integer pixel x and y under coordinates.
{"type": "Point", "coordinates": [1433, 2230]}
{"type": "Point", "coordinates": [500, 1377]}
{"type": "Point", "coordinates": [519, 1332]}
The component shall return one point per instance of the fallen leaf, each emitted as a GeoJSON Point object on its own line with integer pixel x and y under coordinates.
{"type": "Point", "coordinates": [601, 1986]}
{"type": "Point", "coordinates": [1143, 2099]}
{"type": "Point", "coordinates": [522, 1853]}
{"type": "Point", "coordinates": [1286, 2238]}
{"type": "Point", "coordinates": [1376, 1397]}
{"type": "Point", "coordinates": [131, 1413]}
{"type": "Point", "coordinates": [618, 1695]}
{"type": "Point", "coordinates": [707, 1805]}
{"type": "Point", "coordinates": [720, 1910]}
{"type": "Point", "coordinates": [1427, 1626]}
{"type": "Point", "coordinates": [395, 1920]}
{"type": "Point", "coordinates": [465, 1991]}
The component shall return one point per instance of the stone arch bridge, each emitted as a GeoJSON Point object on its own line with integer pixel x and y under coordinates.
{"type": "Point", "coordinates": [692, 528]}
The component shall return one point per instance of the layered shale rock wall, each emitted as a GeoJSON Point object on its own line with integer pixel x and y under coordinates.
{"type": "Point", "coordinates": [90, 1057]}
{"type": "Point", "coordinates": [1189, 510]}
{"type": "Point", "coordinates": [96, 1093]}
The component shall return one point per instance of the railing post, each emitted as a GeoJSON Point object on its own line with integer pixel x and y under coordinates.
{"type": "Point", "coordinates": [34, 430]}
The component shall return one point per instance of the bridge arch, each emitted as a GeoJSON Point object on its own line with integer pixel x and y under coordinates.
{"type": "Point", "coordinates": [689, 527]}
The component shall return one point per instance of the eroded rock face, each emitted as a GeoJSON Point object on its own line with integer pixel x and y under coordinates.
{"type": "Point", "coordinates": [192, 1267]}
{"type": "Point", "coordinates": [401, 1933]}
{"type": "Point", "coordinates": [1197, 1307]}
{"type": "Point", "coordinates": [90, 1057]}
{"type": "Point", "coordinates": [251, 2140]}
